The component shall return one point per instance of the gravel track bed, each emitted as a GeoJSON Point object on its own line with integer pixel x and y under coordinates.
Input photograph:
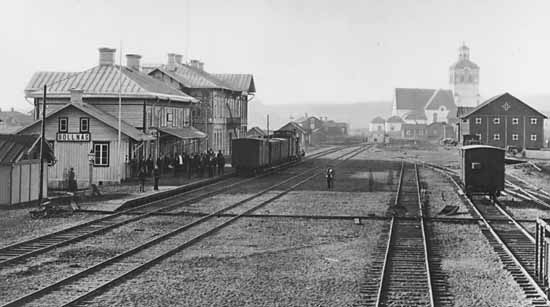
{"type": "Point", "coordinates": [440, 192]}
{"type": "Point", "coordinates": [58, 263]}
{"type": "Point", "coordinates": [529, 174]}
{"type": "Point", "coordinates": [330, 203]}
{"type": "Point", "coordinates": [476, 275]}
{"type": "Point", "coordinates": [16, 225]}
{"type": "Point", "coordinates": [259, 262]}
{"type": "Point", "coordinates": [217, 202]}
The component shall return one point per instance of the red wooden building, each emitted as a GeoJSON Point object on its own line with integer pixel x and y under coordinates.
{"type": "Point", "coordinates": [504, 121]}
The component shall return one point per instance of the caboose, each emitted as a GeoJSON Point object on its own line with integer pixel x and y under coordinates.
{"type": "Point", "coordinates": [482, 170]}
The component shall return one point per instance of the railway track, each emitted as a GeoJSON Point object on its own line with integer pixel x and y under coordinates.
{"type": "Point", "coordinates": [21, 251]}
{"type": "Point", "coordinates": [400, 275]}
{"type": "Point", "coordinates": [514, 245]}
{"type": "Point", "coordinates": [79, 288]}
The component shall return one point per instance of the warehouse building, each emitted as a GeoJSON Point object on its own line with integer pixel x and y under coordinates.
{"type": "Point", "coordinates": [503, 121]}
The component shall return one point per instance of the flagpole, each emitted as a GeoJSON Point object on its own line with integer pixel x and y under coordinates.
{"type": "Point", "coordinates": [119, 173]}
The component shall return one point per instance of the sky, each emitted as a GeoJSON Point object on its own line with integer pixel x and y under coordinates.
{"type": "Point", "coordinates": [310, 51]}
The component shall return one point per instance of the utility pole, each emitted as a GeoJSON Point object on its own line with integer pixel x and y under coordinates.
{"type": "Point", "coordinates": [42, 136]}
{"type": "Point", "coordinates": [268, 125]}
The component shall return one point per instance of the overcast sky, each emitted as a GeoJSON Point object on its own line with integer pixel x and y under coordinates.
{"type": "Point", "coordinates": [298, 51]}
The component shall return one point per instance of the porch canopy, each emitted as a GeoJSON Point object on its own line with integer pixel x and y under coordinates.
{"type": "Point", "coordinates": [186, 133]}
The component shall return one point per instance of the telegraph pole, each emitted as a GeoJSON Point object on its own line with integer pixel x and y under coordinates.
{"type": "Point", "coordinates": [42, 138]}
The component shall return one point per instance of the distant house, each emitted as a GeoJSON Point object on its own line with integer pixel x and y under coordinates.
{"type": "Point", "coordinates": [503, 121]}
{"type": "Point", "coordinates": [335, 129]}
{"type": "Point", "coordinates": [440, 131]}
{"type": "Point", "coordinates": [378, 124]}
{"type": "Point", "coordinates": [300, 132]}
{"type": "Point", "coordinates": [377, 130]}
{"type": "Point", "coordinates": [255, 132]}
{"type": "Point", "coordinates": [414, 131]}
{"type": "Point", "coordinates": [393, 126]}
{"type": "Point", "coordinates": [11, 121]}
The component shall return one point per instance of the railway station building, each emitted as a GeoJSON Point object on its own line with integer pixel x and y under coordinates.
{"type": "Point", "coordinates": [82, 119]}
{"type": "Point", "coordinates": [503, 121]}
{"type": "Point", "coordinates": [223, 109]}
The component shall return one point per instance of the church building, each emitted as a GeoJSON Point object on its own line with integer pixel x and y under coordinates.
{"type": "Point", "coordinates": [464, 79]}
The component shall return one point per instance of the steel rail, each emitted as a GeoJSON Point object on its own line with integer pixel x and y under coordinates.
{"type": "Point", "coordinates": [424, 237]}
{"type": "Point", "coordinates": [29, 246]}
{"type": "Point", "coordinates": [390, 233]}
{"type": "Point", "coordinates": [504, 246]}
{"type": "Point", "coordinates": [43, 291]}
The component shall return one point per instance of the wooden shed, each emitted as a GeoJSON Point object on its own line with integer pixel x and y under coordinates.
{"type": "Point", "coordinates": [20, 168]}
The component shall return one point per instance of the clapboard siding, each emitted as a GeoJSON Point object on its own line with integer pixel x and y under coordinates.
{"type": "Point", "coordinates": [75, 154]}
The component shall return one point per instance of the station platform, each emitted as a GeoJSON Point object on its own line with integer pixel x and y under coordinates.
{"type": "Point", "coordinates": [127, 195]}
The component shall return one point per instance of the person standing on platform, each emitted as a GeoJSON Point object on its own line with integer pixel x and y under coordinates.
{"type": "Point", "coordinates": [156, 177]}
{"type": "Point", "coordinates": [221, 163]}
{"type": "Point", "coordinates": [141, 177]}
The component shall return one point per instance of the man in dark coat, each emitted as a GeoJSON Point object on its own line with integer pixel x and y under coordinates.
{"type": "Point", "coordinates": [221, 163]}
{"type": "Point", "coordinates": [156, 177]}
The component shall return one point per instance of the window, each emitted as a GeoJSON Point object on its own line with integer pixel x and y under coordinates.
{"type": "Point", "coordinates": [478, 136]}
{"type": "Point", "coordinates": [409, 132]}
{"type": "Point", "coordinates": [392, 128]}
{"type": "Point", "coordinates": [515, 121]}
{"type": "Point", "coordinates": [169, 117]}
{"type": "Point", "coordinates": [533, 137]}
{"type": "Point", "coordinates": [84, 124]}
{"type": "Point", "coordinates": [101, 152]}
{"type": "Point", "coordinates": [496, 120]}
{"type": "Point", "coordinates": [186, 118]}
{"type": "Point", "coordinates": [515, 137]}
{"type": "Point", "coordinates": [478, 120]}
{"type": "Point", "coordinates": [496, 136]}
{"type": "Point", "coordinates": [435, 117]}
{"type": "Point", "coordinates": [533, 121]}
{"type": "Point", "coordinates": [63, 124]}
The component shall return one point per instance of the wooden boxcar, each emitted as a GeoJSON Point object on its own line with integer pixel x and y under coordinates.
{"type": "Point", "coordinates": [250, 154]}
{"type": "Point", "coordinates": [482, 170]}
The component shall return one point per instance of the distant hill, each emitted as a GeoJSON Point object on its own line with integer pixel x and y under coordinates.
{"type": "Point", "coordinates": [358, 115]}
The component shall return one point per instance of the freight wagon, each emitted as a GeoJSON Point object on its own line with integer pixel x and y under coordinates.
{"type": "Point", "coordinates": [252, 155]}
{"type": "Point", "coordinates": [482, 170]}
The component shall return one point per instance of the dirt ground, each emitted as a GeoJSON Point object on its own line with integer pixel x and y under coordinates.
{"type": "Point", "coordinates": [476, 274]}
{"type": "Point", "coordinates": [260, 262]}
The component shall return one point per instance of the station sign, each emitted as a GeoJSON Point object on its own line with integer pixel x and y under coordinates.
{"type": "Point", "coordinates": [73, 137]}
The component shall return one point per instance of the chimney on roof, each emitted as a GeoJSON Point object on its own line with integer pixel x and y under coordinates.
{"type": "Point", "coordinates": [179, 58]}
{"type": "Point", "coordinates": [201, 65]}
{"type": "Point", "coordinates": [76, 95]}
{"type": "Point", "coordinates": [106, 56]}
{"type": "Point", "coordinates": [194, 63]}
{"type": "Point", "coordinates": [171, 64]}
{"type": "Point", "coordinates": [133, 61]}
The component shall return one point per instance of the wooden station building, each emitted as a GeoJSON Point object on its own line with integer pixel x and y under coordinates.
{"type": "Point", "coordinates": [223, 110]}
{"type": "Point", "coordinates": [82, 119]}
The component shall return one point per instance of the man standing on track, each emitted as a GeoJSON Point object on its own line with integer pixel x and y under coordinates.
{"type": "Point", "coordinates": [330, 178]}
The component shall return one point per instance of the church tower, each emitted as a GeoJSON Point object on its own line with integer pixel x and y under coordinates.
{"type": "Point", "coordinates": [464, 79]}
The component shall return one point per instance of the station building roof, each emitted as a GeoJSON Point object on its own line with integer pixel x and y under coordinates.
{"type": "Point", "coordinates": [100, 115]}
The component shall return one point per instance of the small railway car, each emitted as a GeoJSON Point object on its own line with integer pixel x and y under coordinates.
{"type": "Point", "coordinates": [482, 170]}
{"type": "Point", "coordinates": [542, 252]}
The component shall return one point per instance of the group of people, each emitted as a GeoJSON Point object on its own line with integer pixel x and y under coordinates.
{"type": "Point", "coordinates": [179, 164]}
